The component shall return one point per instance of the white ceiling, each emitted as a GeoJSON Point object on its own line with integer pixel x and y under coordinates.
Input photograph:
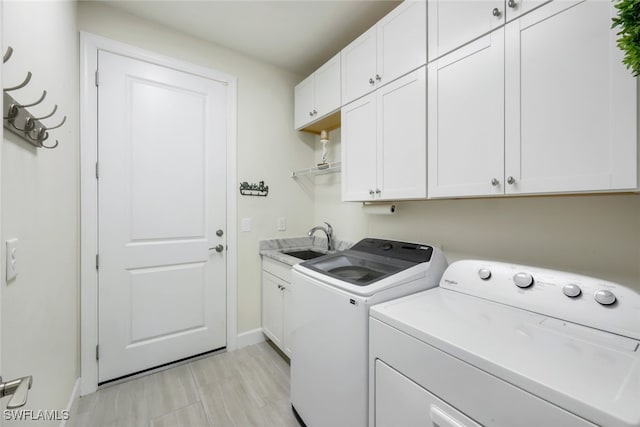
{"type": "Point", "coordinates": [296, 35]}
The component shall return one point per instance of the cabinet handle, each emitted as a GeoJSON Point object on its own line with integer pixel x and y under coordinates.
{"type": "Point", "coordinates": [512, 4]}
{"type": "Point", "coordinates": [496, 12]}
{"type": "Point", "coordinates": [371, 82]}
{"type": "Point", "coordinates": [511, 180]}
{"type": "Point", "coordinates": [495, 182]}
{"type": "Point", "coordinates": [378, 78]}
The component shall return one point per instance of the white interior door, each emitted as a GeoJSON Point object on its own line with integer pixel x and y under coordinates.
{"type": "Point", "coordinates": [161, 197]}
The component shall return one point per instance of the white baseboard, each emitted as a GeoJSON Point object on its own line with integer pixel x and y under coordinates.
{"type": "Point", "coordinates": [252, 337]}
{"type": "Point", "coordinates": [75, 394]}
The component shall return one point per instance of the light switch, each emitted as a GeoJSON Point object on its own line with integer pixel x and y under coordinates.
{"type": "Point", "coordinates": [282, 224]}
{"type": "Point", "coordinates": [12, 258]}
{"type": "Point", "coordinates": [246, 224]}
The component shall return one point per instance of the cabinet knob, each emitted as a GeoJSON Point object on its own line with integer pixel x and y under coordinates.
{"type": "Point", "coordinates": [315, 112]}
{"type": "Point", "coordinates": [371, 192]}
{"type": "Point", "coordinates": [495, 182]}
{"type": "Point", "coordinates": [378, 78]}
{"type": "Point", "coordinates": [311, 113]}
{"type": "Point", "coordinates": [378, 191]}
{"type": "Point", "coordinates": [371, 82]}
{"type": "Point", "coordinates": [511, 180]}
{"type": "Point", "coordinates": [512, 4]}
{"type": "Point", "coordinates": [496, 12]}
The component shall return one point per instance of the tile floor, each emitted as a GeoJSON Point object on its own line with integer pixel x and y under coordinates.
{"type": "Point", "coordinates": [246, 387]}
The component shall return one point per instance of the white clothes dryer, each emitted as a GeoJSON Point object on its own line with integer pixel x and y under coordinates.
{"type": "Point", "coordinates": [507, 345]}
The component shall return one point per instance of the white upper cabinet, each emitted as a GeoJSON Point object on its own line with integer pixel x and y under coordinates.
{"type": "Point", "coordinates": [318, 95]}
{"type": "Point", "coordinates": [571, 112]}
{"type": "Point", "coordinates": [466, 120]}
{"type": "Point", "coordinates": [541, 105]}
{"type": "Point", "coordinates": [396, 45]}
{"type": "Point", "coordinates": [452, 24]}
{"type": "Point", "coordinates": [384, 142]}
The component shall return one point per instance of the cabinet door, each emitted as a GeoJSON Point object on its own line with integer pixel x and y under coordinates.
{"type": "Point", "coordinates": [272, 322]}
{"type": "Point", "coordinates": [571, 104]}
{"type": "Point", "coordinates": [359, 149]}
{"type": "Point", "coordinates": [455, 23]}
{"type": "Point", "coordinates": [402, 41]}
{"type": "Point", "coordinates": [304, 102]}
{"type": "Point", "coordinates": [466, 120]}
{"type": "Point", "coordinates": [327, 87]}
{"type": "Point", "coordinates": [359, 66]}
{"type": "Point", "coordinates": [288, 327]}
{"type": "Point", "coordinates": [402, 139]}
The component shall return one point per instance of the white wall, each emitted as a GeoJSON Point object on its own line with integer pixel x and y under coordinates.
{"type": "Point", "coordinates": [39, 199]}
{"type": "Point", "coordinates": [597, 235]}
{"type": "Point", "coordinates": [267, 143]}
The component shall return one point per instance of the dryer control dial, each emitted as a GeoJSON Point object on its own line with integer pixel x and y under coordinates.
{"type": "Point", "coordinates": [571, 290]}
{"type": "Point", "coordinates": [605, 297]}
{"type": "Point", "coordinates": [523, 279]}
{"type": "Point", "coordinates": [484, 273]}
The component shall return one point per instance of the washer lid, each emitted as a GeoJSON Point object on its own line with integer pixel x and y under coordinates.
{"type": "Point", "coordinates": [593, 374]}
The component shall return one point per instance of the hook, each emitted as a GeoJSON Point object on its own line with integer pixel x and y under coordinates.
{"type": "Point", "coordinates": [44, 94]}
{"type": "Point", "coordinates": [49, 147]}
{"type": "Point", "coordinates": [29, 124]}
{"type": "Point", "coordinates": [7, 55]}
{"type": "Point", "coordinates": [12, 111]}
{"type": "Point", "coordinates": [57, 126]}
{"type": "Point", "coordinates": [21, 85]}
{"type": "Point", "coordinates": [55, 108]}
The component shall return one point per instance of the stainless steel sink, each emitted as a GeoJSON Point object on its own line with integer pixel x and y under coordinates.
{"type": "Point", "coordinates": [305, 254]}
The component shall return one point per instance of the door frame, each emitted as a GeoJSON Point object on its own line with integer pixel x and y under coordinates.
{"type": "Point", "coordinates": [89, 46]}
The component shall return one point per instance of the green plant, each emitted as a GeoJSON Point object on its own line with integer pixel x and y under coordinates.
{"type": "Point", "coordinates": [628, 20]}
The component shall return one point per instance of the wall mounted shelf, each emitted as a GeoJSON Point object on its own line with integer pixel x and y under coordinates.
{"type": "Point", "coordinates": [332, 167]}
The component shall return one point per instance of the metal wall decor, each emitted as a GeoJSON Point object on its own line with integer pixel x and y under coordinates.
{"type": "Point", "coordinates": [19, 120]}
{"type": "Point", "coordinates": [259, 189]}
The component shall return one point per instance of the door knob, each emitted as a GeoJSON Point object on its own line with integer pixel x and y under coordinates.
{"type": "Point", "coordinates": [17, 389]}
{"type": "Point", "coordinates": [218, 248]}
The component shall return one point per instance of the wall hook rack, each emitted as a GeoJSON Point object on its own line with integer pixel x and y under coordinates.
{"type": "Point", "coordinates": [259, 189]}
{"type": "Point", "coordinates": [19, 120]}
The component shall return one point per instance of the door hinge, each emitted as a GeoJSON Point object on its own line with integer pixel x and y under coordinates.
{"type": "Point", "coordinates": [97, 171]}
{"type": "Point", "coordinates": [97, 261]}
{"type": "Point", "coordinates": [97, 352]}
{"type": "Point", "coordinates": [97, 78]}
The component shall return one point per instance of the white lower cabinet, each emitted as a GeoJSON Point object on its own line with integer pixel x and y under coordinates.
{"type": "Point", "coordinates": [541, 105]}
{"type": "Point", "coordinates": [276, 299]}
{"type": "Point", "coordinates": [384, 142]}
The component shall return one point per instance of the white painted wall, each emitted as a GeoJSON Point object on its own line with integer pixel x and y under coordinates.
{"type": "Point", "coordinates": [267, 143]}
{"type": "Point", "coordinates": [39, 199]}
{"type": "Point", "coordinates": [596, 235]}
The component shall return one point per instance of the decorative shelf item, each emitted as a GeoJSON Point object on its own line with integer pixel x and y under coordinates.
{"type": "Point", "coordinates": [259, 189]}
{"type": "Point", "coordinates": [19, 120]}
{"type": "Point", "coordinates": [321, 169]}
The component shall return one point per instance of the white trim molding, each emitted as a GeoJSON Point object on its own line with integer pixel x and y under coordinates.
{"type": "Point", "coordinates": [90, 44]}
{"type": "Point", "coordinates": [251, 337]}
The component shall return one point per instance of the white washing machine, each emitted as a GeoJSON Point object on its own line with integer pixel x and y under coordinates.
{"type": "Point", "coordinates": [330, 338]}
{"type": "Point", "coordinates": [507, 345]}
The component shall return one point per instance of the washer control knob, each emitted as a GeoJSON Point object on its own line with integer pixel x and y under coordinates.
{"type": "Point", "coordinates": [571, 290]}
{"type": "Point", "coordinates": [484, 273]}
{"type": "Point", "coordinates": [523, 280]}
{"type": "Point", "coordinates": [604, 297]}
{"type": "Point", "coordinates": [387, 246]}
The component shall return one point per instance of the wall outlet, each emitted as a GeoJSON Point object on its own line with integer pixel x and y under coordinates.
{"type": "Point", "coordinates": [246, 224]}
{"type": "Point", "coordinates": [12, 259]}
{"type": "Point", "coordinates": [282, 224]}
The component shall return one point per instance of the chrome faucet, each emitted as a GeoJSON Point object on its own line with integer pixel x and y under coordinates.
{"type": "Point", "coordinates": [328, 231]}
